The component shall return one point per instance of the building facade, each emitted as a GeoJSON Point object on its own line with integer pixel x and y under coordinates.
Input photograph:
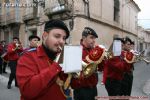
{"type": "Point", "coordinates": [143, 39]}
{"type": "Point", "coordinates": [107, 17]}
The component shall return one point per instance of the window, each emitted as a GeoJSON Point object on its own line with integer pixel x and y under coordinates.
{"type": "Point", "coordinates": [136, 23]}
{"type": "Point", "coordinates": [116, 10]}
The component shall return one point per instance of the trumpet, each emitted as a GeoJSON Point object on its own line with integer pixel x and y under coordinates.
{"type": "Point", "coordinates": [17, 45]}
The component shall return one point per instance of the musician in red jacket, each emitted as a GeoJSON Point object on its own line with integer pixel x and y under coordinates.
{"type": "Point", "coordinates": [4, 56]}
{"type": "Point", "coordinates": [38, 74]}
{"type": "Point", "coordinates": [85, 87]}
{"type": "Point", "coordinates": [33, 43]}
{"type": "Point", "coordinates": [114, 70]}
{"type": "Point", "coordinates": [13, 51]}
{"type": "Point", "coordinates": [129, 59]}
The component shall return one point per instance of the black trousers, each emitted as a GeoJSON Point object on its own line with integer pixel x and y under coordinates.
{"type": "Point", "coordinates": [4, 66]}
{"type": "Point", "coordinates": [12, 65]}
{"type": "Point", "coordinates": [113, 87]}
{"type": "Point", "coordinates": [88, 93]}
{"type": "Point", "coordinates": [1, 65]}
{"type": "Point", "coordinates": [127, 84]}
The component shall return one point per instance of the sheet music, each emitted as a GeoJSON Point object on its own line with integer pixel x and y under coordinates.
{"type": "Point", "coordinates": [117, 48]}
{"type": "Point", "coordinates": [72, 59]}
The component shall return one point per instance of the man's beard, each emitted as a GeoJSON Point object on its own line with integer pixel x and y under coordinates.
{"type": "Point", "coordinates": [50, 53]}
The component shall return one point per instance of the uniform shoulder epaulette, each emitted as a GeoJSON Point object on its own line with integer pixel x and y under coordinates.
{"type": "Point", "coordinates": [32, 49]}
{"type": "Point", "coordinates": [29, 50]}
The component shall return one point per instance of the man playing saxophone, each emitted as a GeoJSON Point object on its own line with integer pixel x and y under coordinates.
{"type": "Point", "coordinates": [85, 87]}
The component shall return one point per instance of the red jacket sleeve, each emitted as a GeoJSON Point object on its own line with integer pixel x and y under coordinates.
{"type": "Point", "coordinates": [32, 82]}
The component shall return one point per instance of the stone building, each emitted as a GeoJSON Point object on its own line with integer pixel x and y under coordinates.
{"type": "Point", "coordinates": [143, 39]}
{"type": "Point", "coordinates": [107, 17]}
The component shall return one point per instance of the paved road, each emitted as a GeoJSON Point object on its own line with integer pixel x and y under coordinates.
{"type": "Point", "coordinates": [141, 84]}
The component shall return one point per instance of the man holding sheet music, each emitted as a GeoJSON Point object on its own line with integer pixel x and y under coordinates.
{"type": "Point", "coordinates": [85, 87]}
{"type": "Point", "coordinates": [38, 74]}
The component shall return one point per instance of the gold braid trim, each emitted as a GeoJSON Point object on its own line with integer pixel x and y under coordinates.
{"type": "Point", "coordinates": [130, 61]}
{"type": "Point", "coordinates": [98, 61]}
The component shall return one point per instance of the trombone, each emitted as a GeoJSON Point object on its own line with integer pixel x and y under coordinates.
{"type": "Point", "coordinates": [141, 57]}
{"type": "Point", "coordinates": [137, 57]}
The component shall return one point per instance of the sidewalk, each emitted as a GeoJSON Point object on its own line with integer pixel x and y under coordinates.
{"type": "Point", "coordinates": [146, 88]}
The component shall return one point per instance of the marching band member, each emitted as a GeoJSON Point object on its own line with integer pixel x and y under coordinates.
{"type": "Point", "coordinates": [114, 69]}
{"type": "Point", "coordinates": [85, 88]}
{"type": "Point", "coordinates": [13, 51]}
{"type": "Point", "coordinates": [33, 43]}
{"type": "Point", "coordinates": [37, 72]}
{"type": "Point", "coordinates": [129, 58]}
{"type": "Point", "coordinates": [5, 57]}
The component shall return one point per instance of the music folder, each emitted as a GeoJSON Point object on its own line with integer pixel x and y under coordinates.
{"type": "Point", "coordinates": [117, 47]}
{"type": "Point", "coordinates": [72, 61]}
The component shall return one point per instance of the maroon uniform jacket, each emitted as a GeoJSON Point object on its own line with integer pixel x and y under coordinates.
{"type": "Point", "coordinates": [115, 68]}
{"type": "Point", "coordinates": [81, 82]}
{"type": "Point", "coordinates": [36, 76]}
{"type": "Point", "coordinates": [13, 55]}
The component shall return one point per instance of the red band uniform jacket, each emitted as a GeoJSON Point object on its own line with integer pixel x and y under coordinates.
{"type": "Point", "coordinates": [90, 81]}
{"type": "Point", "coordinates": [115, 67]}
{"type": "Point", "coordinates": [13, 54]}
{"type": "Point", "coordinates": [36, 76]}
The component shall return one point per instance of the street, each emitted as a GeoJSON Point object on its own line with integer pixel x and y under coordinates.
{"type": "Point", "coordinates": [141, 77]}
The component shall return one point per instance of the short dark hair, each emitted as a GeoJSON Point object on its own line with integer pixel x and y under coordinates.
{"type": "Point", "coordinates": [127, 39]}
{"type": "Point", "coordinates": [15, 38]}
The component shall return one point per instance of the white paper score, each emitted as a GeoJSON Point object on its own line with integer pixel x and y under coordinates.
{"type": "Point", "coordinates": [72, 58]}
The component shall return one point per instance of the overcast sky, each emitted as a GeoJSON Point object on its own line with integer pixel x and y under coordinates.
{"type": "Point", "coordinates": [144, 15]}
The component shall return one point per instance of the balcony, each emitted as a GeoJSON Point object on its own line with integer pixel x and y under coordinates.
{"type": "Point", "coordinates": [28, 16]}
{"type": "Point", "coordinates": [13, 17]}
{"type": "Point", "coordinates": [3, 20]}
{"type": "Point", "coordinates": [56, 10]}
{"type": "Point", "coordinates": [10, 17]}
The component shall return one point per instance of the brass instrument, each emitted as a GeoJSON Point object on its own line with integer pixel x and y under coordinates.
{"type": "Point", "coordinates": [89, 68]}
{"type": "Point", "coordinates": [137, 57]}
{"type": "Point", "coordinates": [141, 57]}
{"type": "Point", "coordinates": [18, 45]}
{"type": "Point", "coordinates": [64, 86]}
